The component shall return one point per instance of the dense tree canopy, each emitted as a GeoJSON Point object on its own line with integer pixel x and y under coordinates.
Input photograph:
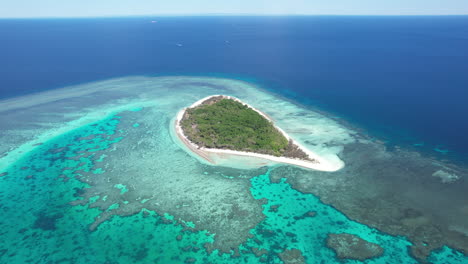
{"type": "Point", "coordinates": [228, 124]}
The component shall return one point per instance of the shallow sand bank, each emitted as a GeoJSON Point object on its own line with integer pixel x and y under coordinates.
{"type": "Point", "coordinates": [222, 156]}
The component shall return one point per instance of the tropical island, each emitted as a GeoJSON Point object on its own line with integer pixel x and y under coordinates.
{"type": "Point", "coordinates": [222, 125]}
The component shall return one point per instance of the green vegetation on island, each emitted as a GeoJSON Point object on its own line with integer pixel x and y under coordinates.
{"type": "Point", "coordinates": [224, 123]}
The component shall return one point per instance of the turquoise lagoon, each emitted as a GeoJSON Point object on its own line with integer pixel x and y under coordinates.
{"type": "Point", "coordinates": [105, 182]}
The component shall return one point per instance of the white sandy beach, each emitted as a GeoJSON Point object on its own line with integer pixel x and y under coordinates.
{"type": "Point", "coordinates": [220, 156]}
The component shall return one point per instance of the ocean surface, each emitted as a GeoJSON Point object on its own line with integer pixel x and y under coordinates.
{"type": "Point", "coordinates": [403, 78]}
{"type": "Point", "coordinates": [99, 176]}
{"type": "Point", "coordinates": [93, 173]}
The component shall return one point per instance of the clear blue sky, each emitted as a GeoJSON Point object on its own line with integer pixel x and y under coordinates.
{"type": "Point", "coordinates": [93, 8]}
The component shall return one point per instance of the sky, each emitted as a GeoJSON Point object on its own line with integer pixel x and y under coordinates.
{"type": "Point", "coordinates": [99, 8]}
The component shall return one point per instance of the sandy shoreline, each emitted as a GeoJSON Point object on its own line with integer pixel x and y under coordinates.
{"type": "Point", "coordinates": [207, 154]}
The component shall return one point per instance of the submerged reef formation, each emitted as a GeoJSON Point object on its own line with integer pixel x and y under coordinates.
{"type": "Point", "coordinates": [109, 173]}
{"type": "Point", "coordinates": [292, 256]}
{"type": "Point", "coordinates": [349, 246]}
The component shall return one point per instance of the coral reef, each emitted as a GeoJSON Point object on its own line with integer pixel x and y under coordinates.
{"type": "Point", "coordinates": [349, 246]}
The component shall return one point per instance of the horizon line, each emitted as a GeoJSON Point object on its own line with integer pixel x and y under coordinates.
{"type": "Point", "coordinates": [231, 14]}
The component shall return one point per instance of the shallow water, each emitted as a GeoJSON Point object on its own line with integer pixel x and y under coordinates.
{"type": "Point", "coordinates": [115, 187]}
{"type": "Point", "coordinates": [46, 220]}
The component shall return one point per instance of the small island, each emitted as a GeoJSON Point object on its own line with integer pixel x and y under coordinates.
{"type": "Point", "coordinates": [222, 125]}
{"type": "Point", "coordinates": [225, 123]}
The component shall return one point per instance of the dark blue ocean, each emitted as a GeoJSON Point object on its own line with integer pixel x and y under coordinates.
{"type": "Point", "coordinates": [402, 79]}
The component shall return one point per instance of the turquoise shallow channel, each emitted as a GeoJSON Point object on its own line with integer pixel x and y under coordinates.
{"type": "Point", "coordinates": [87, 196]}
